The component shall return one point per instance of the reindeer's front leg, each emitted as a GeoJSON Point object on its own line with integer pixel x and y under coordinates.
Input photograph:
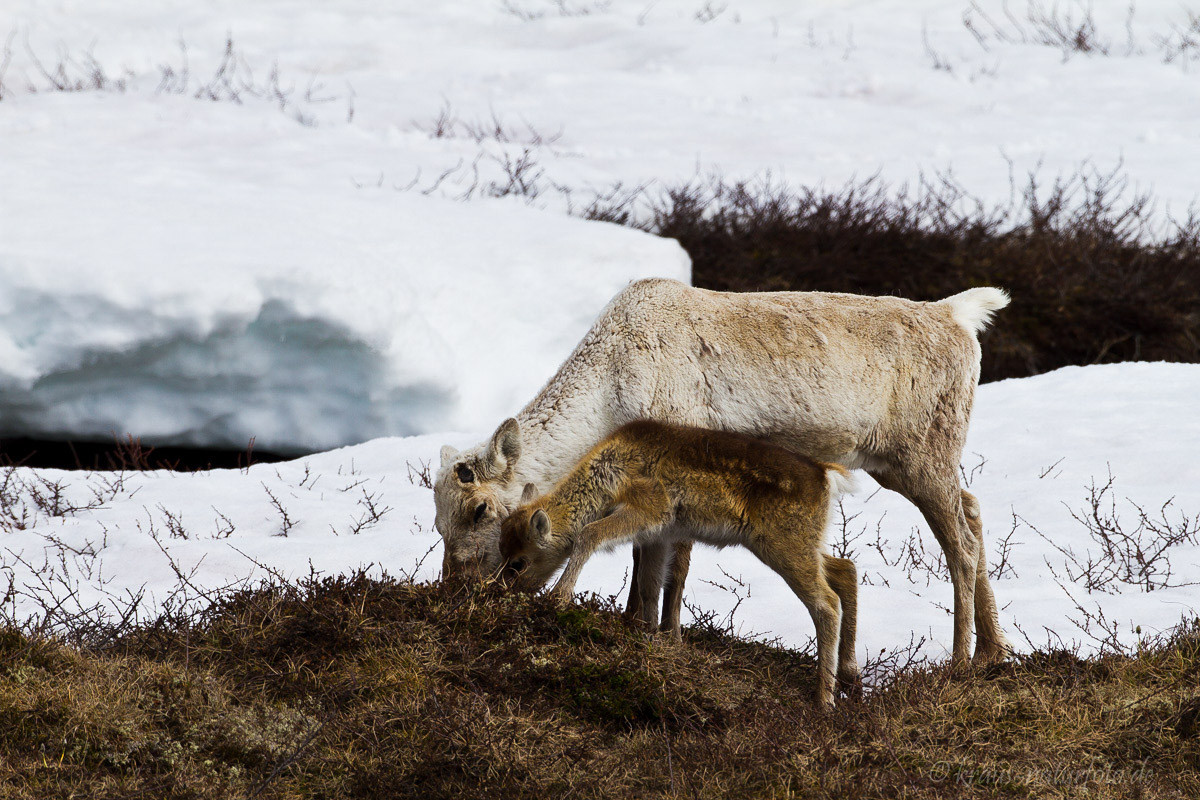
{"type": "Point", "coordinates": [641, 506]}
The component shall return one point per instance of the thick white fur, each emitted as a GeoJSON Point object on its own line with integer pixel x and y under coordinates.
{"type": "Point", "coordinates": [973, 309]}
{"type": "Point", "coordinates": [840, 483]}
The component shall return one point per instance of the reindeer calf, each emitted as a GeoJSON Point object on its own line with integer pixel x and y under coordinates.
{"type": "Point", "coordinates": [649, 479]}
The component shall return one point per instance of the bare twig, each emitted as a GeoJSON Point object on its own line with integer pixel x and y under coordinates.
{"type": "Point", "coordinates": [286, 523]}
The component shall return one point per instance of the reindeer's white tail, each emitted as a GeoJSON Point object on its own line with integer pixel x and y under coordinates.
{"type": "Point", "coordinates": [841, 481]}
{"type": "Point", "coordinates": [973, 308]}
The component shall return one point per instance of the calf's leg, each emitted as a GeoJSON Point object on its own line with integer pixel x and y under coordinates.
{"type": "Point", "coordinates": [642, 506]}
{"type": "Point", "coordinates": [843, 578]}
{"type": "Point", "coordinates": [802, 567]}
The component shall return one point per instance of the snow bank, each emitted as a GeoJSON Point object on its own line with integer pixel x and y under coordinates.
{"type": "Point", "coordinates": [1037, 445]}
{"type": "Point", "coordinates": [145, 289]}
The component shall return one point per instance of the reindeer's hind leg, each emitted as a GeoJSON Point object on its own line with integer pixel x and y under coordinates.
{"type": "Point", "coordinates": [990, 642]}
{"type": "Point", "coordinates": [843, 577]}
{"type": "Point", "coordinates": [673, 592]}
{"type": "Point", "coordinates": [652, 566]}
{"type": "Point", "coordinates": [646, 582]}
{"type": "Point", "coordinates": [936, 493]}
{"type": "Point", "coordinates": [633, 606]}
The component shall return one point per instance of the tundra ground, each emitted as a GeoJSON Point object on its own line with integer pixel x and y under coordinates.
{"type": "Point", "coordinates": [351, 687]}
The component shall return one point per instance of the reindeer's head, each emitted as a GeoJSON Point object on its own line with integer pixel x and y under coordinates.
{"type": "Point", "coordinates": [469, 497]}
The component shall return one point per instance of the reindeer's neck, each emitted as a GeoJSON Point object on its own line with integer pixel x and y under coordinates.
{"type": "Point", "coordinates": [567, 418]}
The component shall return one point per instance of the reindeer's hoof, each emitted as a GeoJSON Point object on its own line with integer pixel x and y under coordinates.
{"type": "Point", "coordinates": [668, 636]}
{"type": "Point", "coordinates": [824, 705]}
{"type": "Point", "coordinates": [961, 667]}
{"type": "Point", "coordinates": [991, 652]}
{"type": "Point", "coordinates": [849, 680]}
{"type": "Point", "coordinates": [560, 599]}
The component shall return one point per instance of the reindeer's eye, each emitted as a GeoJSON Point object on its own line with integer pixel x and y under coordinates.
{"type": "Point", "coordinates": [465, 474]}
{"type": "Point", "coordinates": [480, 510]}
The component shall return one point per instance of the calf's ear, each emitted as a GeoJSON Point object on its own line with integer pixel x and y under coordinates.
{"type": "Point", "coordinates": [530, 494]}
{"type": "Point", "coordinates": [539, 528]}
{"type": "Point", "coordinates": [510, 542]}
{"type": "Point", "coordinates": [505, 447]}
{"type": "Point", "coordinates": [448, 455]}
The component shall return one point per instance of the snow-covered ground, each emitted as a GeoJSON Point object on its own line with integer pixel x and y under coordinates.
{"type": "Point", "coordinates": [353, 224]}
{"type": "Point", "coordinates": [187, 311]}
{"type": "Point", "coordinates": [1037, 447]}
{"type": "Point", "coordinates": [312, 252]}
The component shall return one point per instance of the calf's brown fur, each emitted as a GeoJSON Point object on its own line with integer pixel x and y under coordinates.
{"type": "Point", "coordinates": [648, 480]}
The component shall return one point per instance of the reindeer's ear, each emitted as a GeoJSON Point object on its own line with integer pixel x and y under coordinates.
{"type": "Point", "coordinates": [530, 494]}
{"type": "Point", "coordinates": [448, 454]}
{"type": "Point", "coordinates": [539, 527]}
{"type": "Point", "coordinates": [505, 447]}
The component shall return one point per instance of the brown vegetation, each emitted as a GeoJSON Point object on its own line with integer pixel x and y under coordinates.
{"type": "Point", "coordinates": [351, 687]}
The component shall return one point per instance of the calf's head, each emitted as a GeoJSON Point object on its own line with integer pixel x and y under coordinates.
{"type": "Point", "coordinates": [469, 501]}
{"type": "Point", "coordinates": [527, 544]}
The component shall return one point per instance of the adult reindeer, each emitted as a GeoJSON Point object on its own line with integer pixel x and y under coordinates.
{"type": "Point", "coordinates": [877, 383]}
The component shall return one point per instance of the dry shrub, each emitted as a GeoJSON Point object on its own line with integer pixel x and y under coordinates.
{"type": "Point", "coordinates": [350, 687]}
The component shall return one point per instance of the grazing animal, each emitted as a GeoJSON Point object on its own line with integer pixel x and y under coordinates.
{"type": "Point", "coordinates": [649, 479]}
{"type": "Point", "coordinates": [878, 383]}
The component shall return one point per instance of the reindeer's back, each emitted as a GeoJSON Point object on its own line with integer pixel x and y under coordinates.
{"type": "Point", "coordinates": [834, 376]}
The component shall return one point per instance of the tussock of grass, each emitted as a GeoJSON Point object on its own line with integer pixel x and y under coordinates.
{"type": "Point", "coordinates": [352, 687]}
{"type": "Point", "coordinates": [1094, 278]}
